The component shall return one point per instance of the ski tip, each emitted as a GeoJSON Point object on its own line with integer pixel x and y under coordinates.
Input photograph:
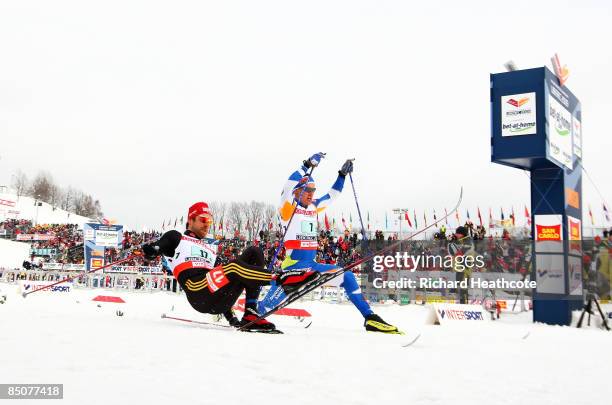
{"type": "Point", "coordinates": [163, 315]}
{"type": "Point", "coordinates": [411, 342]}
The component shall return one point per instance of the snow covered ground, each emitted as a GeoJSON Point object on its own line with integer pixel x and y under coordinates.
{"type": "Point", "coordinates": [102, 358]}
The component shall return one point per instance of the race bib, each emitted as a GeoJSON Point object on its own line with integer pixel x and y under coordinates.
{"type": "Point", "coordinates": [309, 227]}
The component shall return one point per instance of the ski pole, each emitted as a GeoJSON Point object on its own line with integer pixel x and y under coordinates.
{"type": "Point", "coordinates": [26, 293]}
{"type": "Point", "coordinates": [131, 256]}
{"type": "Point", "coordinates": [363, 233]}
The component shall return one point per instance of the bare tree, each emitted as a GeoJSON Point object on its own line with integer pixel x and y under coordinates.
{"type": "Point", "coordinates": [219, 210]}
{"type": "Point", "coordinates": [41, 187]}
{"type": "Point", "coordinates": [20, 183]}
{"type": "Point", "coordinates": [98, 209]}
{"type": "Point", "coordinates": [78, 202]}
{"type": "Point", "coordinates": [67, 199]}
{"type": "Point", "coordinates": [55, 195]}
{"type": "Point", "coordinates": [236, 214]}
{"type": "Point", "coordinates": [269, 216]}
{"type": "Point", "coordinates": [254, 214]}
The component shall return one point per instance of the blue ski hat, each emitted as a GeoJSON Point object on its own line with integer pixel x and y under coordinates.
{"type": "Point", "coordinates": [303, 182]}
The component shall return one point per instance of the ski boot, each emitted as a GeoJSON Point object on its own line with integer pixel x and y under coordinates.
{"type": "Point", "coordinates": [292, 280]}
{"type": "Point", "coordinates": [251, 315]}
{"type": "Point", "coordinates": [374, 323]}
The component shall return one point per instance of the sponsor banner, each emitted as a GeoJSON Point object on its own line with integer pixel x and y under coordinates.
{"type": "Point", "coordinates": [7, 203]}
{"type": "Point", "coordinates": [452, 313]}
{"type": "Point", "coordinates": [513, 306]}
{"type": "Point", "coordinates": [433, 298]}
{"type": "Point", "coordinates": [518, 114]}
{"type": "Point", "coordinates": [574, 264]}
{"type": "Point", "coordinates": [504, 223]}
{"type": "Point", "coordinates": [577, 135]}
{"type": "Point", "coordinates": [122, 269]}
{"type": "Point", "coordinates": [43, 252]}
{"type": "Point", "coordinates": [63, 267]}
{"type": "Point", "coordinates": [74, 267]}
{"type": "Point", "coordinates": [36, 236]}
{"type": "Point", "coordinates": [26, 286]}
{"type": "Point", "coordinates": [572, 197]}
{"type": "Point", "coordinates": [548, 228]}
{"type": "Point", "coordinates": [52, 266]}
{"type": "Point", "coordinates": [96, 262]}
{"type": "Point", "coordinates": [550, 275]}
{"type": "Point", "coordinates": [574, 227]}
{"type": "Point", "coordinates": [560, 144]}
{"type": "Point", "coordinates": [574, 233]}
{"type": "Point", "coordinates": [3, 232]}
{"type": "Point", "coordinates": [97, 237]}
{"type": "Point", "coordinates": [106, 238]}
{"type": "Point", "coordinates": [134, 270]}
{"type": "Point", "coordinates": [548, 233]}
{"type": "Point", "coordinates": [333, 294]}
{"type": "Point", "coordinates": [89, 234]}
{"type": "Point", "coordinates": [150, 270]}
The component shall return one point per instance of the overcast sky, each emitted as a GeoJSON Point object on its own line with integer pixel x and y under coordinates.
{"type": "Point", "coordinates": [151, 106]}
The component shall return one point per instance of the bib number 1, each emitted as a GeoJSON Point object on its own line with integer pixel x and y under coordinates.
{"type": "Point", "coordinates": [309, 227]}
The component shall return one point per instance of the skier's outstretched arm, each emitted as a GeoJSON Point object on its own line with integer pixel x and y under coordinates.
{"type": "Point", "coordinates": [287, 198]}
{"type": "Point", "coordinates": [336, 189]}
{"type": "Point", "coordinates": [164, 246]}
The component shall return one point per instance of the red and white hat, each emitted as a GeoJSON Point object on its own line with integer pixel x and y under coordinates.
{"type": "Point", "coordinates": [200, 209]}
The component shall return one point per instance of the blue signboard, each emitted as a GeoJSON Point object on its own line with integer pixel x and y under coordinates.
{"type": "Point", "coordinates": [96, 239]}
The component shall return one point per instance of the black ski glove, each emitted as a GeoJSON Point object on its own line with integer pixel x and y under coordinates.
{"type": "Point", "coordinates": [150, 251]}
{"type": "Point", "coordinates": [346, 168]}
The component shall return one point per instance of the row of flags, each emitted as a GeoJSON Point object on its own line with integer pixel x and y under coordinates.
{"type": "Point", "coordinates": [606, 214]}
{"type": "Point", "coordinates": [412, 220]}
{"type": "Point", "coordinates": [505, 219]}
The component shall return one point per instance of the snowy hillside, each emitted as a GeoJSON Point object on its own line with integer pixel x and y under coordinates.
{"type": "Point", "coordinates": [25, 208]}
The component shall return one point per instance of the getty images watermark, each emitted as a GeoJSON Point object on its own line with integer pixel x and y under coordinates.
{"type": "Point", "coordinates": [403, 261]}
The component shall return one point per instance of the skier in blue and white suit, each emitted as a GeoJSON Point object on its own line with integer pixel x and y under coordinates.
{"type": "Point", "coordinates": [297, 200]}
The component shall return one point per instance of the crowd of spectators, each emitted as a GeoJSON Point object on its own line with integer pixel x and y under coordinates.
{"type": "Point", "coordinates": [339, 250]}
{"type": "Point", "coordinates": [67, 241]}
{"type": "Point", "coordinates": [15, 226]}
{"type": "Point", "coordinates": [55, 242]}
{"type": "Point", "coordinates": [503, 254]}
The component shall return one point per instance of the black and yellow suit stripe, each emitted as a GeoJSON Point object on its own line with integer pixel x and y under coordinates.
{"type": "Point", "coordinates": [261, 277]}
{"type": "Point", "coordinates": [196, 286]}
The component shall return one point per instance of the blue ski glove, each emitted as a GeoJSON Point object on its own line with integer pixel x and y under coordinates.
{"type": "Point", "coordinates": [314, 160]}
